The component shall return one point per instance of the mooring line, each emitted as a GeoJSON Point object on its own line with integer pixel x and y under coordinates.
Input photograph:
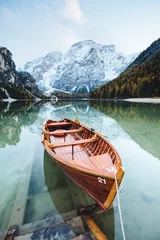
{"type": "Point", "coordinates": [119, 207]}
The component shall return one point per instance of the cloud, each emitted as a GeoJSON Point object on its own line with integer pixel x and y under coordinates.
{"type": "Point", "coordinates": [66, 37]}
{"type": "Point", "coordinates": [35, 31]}
{"type": "Point", "coordinates": [72, 11]}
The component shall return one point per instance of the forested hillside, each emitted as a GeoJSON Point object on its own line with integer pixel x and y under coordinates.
{"type": "Point", "coordinates": [141, 79]}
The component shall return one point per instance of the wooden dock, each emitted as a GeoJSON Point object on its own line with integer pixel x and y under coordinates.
{"type": "Point", "coordinates": [74, 227]}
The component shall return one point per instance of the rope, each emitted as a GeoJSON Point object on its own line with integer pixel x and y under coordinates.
{"type": "Point", "coordinates": [119, 208]}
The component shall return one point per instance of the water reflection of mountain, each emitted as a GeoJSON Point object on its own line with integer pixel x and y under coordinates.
{"type": "Point", "coordinates": [12, 117]}
{"type": "Point", "coordinates": [67, 196]}
{"type": "Point", "coordinates": [140, 121]}
{"type": "Point", "coordinates": [66, 109]}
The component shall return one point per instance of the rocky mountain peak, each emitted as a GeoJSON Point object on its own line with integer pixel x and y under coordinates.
{"type": "Point", "coordinates": [84, 43]}
{"type": "Point", "coordinates": [7, 66]}
{"type": "Point", "coordinates": [54, 56]}
{"type": "Point", "coordinates": [86, 63]}
{"type": "Point", "coordinates": [109, 48]}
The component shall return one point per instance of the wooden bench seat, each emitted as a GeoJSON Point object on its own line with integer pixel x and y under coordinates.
{"type": "Point", "coordinates": [64, 131]}
{"type": "Point", "coordinates": [76, 142]}
{"type": "Point", "coordinates": [72, 144]}
{"type": "Point", "coordinates": [56, 124]}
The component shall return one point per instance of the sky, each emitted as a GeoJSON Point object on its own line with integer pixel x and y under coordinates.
{"type": "Point", "coordinates": [33, 28]}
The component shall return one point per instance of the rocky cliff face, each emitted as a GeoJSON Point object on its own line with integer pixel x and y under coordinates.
{"type": "Point", "coordinates": [84, 67]}
{"type": "Point", "coordinates": [26, 79]}
{"type": "Point", "coordinates": [7, 66]}
{"type": "Point", "coordinates": [13, 84]}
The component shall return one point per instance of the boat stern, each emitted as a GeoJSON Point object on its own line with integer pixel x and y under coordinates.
{"type": "Point", "coordinates": [118, 177]}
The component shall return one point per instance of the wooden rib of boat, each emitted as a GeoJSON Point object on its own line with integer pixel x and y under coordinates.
{"type": "Point", "coordinates": [86, 157]}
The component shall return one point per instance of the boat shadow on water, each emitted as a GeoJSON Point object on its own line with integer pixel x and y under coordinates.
{"type": "Point", "coordinates": [67, 196]}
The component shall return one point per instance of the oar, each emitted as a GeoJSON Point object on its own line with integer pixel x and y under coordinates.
{"type": "Point", "coordinates": [93, 130]}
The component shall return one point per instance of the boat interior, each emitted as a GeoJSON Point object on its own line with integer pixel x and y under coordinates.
{"type": "Point", "coordinates": [72, 141]}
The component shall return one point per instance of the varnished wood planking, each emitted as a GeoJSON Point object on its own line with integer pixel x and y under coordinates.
{"type": "Point", "coordinates": [98, 191]}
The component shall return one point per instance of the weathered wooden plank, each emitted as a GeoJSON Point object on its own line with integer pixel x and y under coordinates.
{"type": "Point", "coordinates": [97, 233]}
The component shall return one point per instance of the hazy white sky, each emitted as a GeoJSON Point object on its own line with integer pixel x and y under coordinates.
{"type": "Point", "coordinates": [32, 28]}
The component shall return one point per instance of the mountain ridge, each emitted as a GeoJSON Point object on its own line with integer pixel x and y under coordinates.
{"type": "Point", "coordinates": [140, 79]}
{"type": "Point", "coordinates": [82, 68]}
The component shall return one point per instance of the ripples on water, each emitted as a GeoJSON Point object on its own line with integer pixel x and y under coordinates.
{"type": "Point", "coordinates": [134, 130]}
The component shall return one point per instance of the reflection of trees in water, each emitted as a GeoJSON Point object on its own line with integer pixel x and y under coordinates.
{"type": "Point", "coordinates": [136, 111]}
{"type": "Point", "coordinates": [62, 103]}
{"type": "Point", "coordinates": [140, 121]}
{"type": "Point", "coordinates": [12, 117]}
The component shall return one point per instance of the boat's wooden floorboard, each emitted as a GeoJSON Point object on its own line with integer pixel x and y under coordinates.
{"type": "Point", "coordinates": [66, 152]}
{"type": "Point", "coordinates": [80, 157]}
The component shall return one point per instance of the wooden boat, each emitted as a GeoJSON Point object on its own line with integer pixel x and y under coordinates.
{"type": "Point", "coordinates": [86, 157]}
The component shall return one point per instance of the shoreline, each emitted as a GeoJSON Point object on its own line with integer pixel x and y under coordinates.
{"type": "Point", "coordinates": [143, 100]}
{"type": "Point", "coordinates": [136, 100]}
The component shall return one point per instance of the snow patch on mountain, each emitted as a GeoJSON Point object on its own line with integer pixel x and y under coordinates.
{"type": "Point", "coordinates": [84, 67]}
{"type": "Point", "coordinates": [43, 68]}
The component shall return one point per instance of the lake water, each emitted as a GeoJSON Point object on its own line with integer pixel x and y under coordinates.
{"type": "Point", "coordinates": [33, 188]}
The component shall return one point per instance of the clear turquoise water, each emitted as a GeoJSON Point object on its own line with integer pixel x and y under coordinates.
{"type": "Point", "coordinates": [134, 130]}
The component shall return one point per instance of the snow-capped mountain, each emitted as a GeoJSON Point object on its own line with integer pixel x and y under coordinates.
{"type": "Point", "coordinates": [44, 68]}
{"type": "Point", "coordinates": [84, 67]}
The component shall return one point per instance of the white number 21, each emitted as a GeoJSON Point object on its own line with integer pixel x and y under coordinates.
{"type": "Point", "coordinates": [101, 180]}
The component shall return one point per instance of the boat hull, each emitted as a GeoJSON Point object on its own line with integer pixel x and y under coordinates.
{"type": "Point", "coordinates": [101, 189]}
{"type": "Point", "coordinates": [86, 157]}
